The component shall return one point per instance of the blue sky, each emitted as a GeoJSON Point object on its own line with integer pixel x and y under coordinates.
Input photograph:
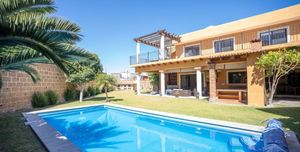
{"type": "Point", "coordinates": [109, 26]}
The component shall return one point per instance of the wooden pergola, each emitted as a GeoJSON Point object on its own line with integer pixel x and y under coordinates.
{"type": "Point", "coordinates": [154, 39]}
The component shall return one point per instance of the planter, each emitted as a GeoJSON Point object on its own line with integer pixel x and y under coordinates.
{"type": "Point", "coordinates": [256, 45]}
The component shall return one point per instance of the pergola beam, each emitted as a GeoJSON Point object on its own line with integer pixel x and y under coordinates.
{"type": "Point", "coordinates": [152, 38]}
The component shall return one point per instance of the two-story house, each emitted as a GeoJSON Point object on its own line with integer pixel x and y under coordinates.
{"type": "Point", "coordinates": [219, 61]}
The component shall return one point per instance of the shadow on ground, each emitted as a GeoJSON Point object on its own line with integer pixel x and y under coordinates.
{"type": "Point", "coordinates": [290, 119]}
{"type": "Point", "coordinates": [113, 99]}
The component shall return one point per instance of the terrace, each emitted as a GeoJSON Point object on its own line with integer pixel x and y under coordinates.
{"type": "Point", "coordinates": [161, 40]}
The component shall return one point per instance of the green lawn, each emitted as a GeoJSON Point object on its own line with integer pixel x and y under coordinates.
{"type": "Point", "coordinates": [15, 136]}
{"type": "Point", "coordinates": [290, 116]}
{"type": "Point", "coordinates": [13, 132]}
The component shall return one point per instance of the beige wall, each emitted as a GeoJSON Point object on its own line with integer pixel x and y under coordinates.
{"type": "Point", "coordinates": [222, 80]}
{"type": "Point", "coordinates": [242, 39]}
{"type": "Point", "coordinates": [18, 87]}
{"type": "Point", "coordinates": [255, 82]}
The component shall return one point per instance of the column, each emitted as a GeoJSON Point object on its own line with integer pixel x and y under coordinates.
{"type": "Point", "coordinates": [212, 82]}
{"type": "Point", "coordinates": [199, 81]}
{"type": "Point", "coordinates": [138, 49]}
{"type": "Point", "coordinates": [138, 83]}
{"type": "Point", "coordinates": [162, 83]}
{"type": "Point", "coordinates": [255, 82]}
{"type": "Point", "coordinates": [178, 80]}
{"type": "Point", "coordinates": [162, 47]}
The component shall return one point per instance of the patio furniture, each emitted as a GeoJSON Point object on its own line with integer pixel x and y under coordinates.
{"type": "Point", "coordinates": [170, 88]}
{"type": "Point", "coordinates": [181, 92]}
{"type": "Point", "coordinates": [233, 94]}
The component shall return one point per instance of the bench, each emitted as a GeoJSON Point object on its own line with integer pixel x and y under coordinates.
{"type": "Point", "coordinates": [233, 94]}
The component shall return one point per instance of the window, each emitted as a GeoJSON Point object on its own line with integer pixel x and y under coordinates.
{"type": "Point", "coordinates": [237, 77]}
{"type": "Point", "coordinates": [274, 37]}
{"type": "Point", "coordinates": [224, 45]}
{"type": "Point", "coordinates": [191, 50]}
{"type": "Point", "coordinates": [172, 79]}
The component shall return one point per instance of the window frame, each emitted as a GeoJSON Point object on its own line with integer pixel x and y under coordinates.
{"type": "Point", "coordinates": [234, 46]}
{"type": "Point", "coordinates": [274, 29]}
{"type": "Point", "coordinates": [199, 44]}
{"type": "Point", "coordinates": [227, 77]}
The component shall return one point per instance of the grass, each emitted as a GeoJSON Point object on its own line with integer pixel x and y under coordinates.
{"type": "Point", "coordinates": [290, 116]}
{"type": "Point", "coordinates": [17, 136]}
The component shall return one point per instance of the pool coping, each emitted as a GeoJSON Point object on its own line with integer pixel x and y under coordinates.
{"type": "Point", "coordinates": [56, 142]}
{"type": "Point", "coordinates": [52, 140]}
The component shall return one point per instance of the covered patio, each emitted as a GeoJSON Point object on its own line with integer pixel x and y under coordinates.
{"type": "Point", "coordinates": [228, 76]}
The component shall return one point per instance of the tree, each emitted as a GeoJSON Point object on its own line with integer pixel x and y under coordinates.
{"type": "Point", "coordinates": [154, 80]}
{"type": "Point", "coordinates": [81, 76]}
{"type": "Point", "coordinates": [276, 65]}
{"type": "Point", "coordinates": [21, 58]}
{"type": "Point", "coordinates": [28, 32]}
{"type": "Point", "coordinates": [28, 23]}
{"type": "Point", "coordinates": [105, 81]}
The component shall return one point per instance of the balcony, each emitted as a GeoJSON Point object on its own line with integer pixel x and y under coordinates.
{"type": "Point", "coordinates": [150, 56]}
{"type": "Point", "coordinates": [161, 40]}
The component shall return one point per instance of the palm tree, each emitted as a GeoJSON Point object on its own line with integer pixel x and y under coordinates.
{"type": "Point", "coordinates": [27, 23]}
{"type": "Point", "coordinates": [29, 35]}
{"type": "Point", "coordinates": [105, 81]}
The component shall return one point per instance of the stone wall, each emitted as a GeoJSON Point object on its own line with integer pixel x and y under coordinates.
{"type": "Point", "coordinates": [17, 88]}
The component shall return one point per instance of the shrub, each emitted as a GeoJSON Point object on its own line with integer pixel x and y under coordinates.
{"type": "Point", "coordinates": [95, 91]}
{"type": "Point", "coordinates": [77, 94]}
{"type": "Point", "coordinates": [98, 90]}
{"type": "Point", "coordinates": [51, 96]}
{"type": "Point", "coordinates": [85, 94]}
{"type": "Point", "coordinates": [90, 91]}
{"type": "Point", "coordinates": [111, 88]}
{"type": "Point", "coordinates": [39, 100]}
{"type": "Point", "coordinates": [70, 94]}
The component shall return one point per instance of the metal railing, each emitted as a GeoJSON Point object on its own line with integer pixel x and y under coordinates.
{"type": "Point", "coordinates": [150, 57]}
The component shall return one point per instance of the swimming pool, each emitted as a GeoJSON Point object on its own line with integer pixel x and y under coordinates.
{"type": "Point", "coordinates": [113, 129]}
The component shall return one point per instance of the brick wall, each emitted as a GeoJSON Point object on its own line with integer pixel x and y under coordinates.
{"type": "Point", "coordinates": [17, 88]}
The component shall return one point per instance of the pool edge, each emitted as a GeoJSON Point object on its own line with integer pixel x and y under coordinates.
{"type": "Point", "coordinates": [56, 142]}
{"type": "Point", "coordinates": [51, 139]}
{"type": "Point", "coordinates": [222, 123]}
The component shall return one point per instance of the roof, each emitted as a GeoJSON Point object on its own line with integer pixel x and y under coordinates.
{"type": "Point", "coordinates": [125, 82]}
{"type": "Point", "coordinates": [271, 18]}
{"type": "Point", "coordinates": [153, 39]}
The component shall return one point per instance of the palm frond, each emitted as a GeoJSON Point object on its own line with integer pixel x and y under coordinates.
{"type": "Point", "coordinates": [23, 67]}
{"type": "Point", "coordinates": [17, 53]}
{"type": "Point", "coordinates": [10, 7]}
{"type": "Point", "coordinates": [39, 21]}
{"type": "Point", "coordinates": [36, 45]}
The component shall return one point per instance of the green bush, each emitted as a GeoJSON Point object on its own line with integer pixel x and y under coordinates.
{"type": "Point", "coordinates": [90, 91]}
{"type": "Point", "coordinates": [95, 91]}
{"type": "Point", "coordinates": [85, 94]}
{"type": "Point", "coordinates": [70, 94]}
{"type": "Point", "coordinates": [98, 90]}
{"type": "Point", "coordinates": [39, 100]}
{"type": "Point", "coordinates": [52, 97]}
{"type": "Point", "coordinates": [77, 94]}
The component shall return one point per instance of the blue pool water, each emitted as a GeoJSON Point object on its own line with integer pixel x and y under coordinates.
{"type": "Point", "coordinates": [110, 129]}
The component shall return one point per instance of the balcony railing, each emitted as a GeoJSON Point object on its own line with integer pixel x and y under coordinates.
{"type": "Point", "coordinates": [150, 57]}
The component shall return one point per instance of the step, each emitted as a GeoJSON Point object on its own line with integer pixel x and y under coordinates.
{"type": "Point", "coordinates": [235, 145]}
{"type": "Point", "coordinates": [228, 96]}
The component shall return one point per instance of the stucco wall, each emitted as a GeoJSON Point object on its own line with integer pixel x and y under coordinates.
{"type": "Point", "coordinates": [18, 87]}
{"type": "Point", "coordinates": [242, 39]}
